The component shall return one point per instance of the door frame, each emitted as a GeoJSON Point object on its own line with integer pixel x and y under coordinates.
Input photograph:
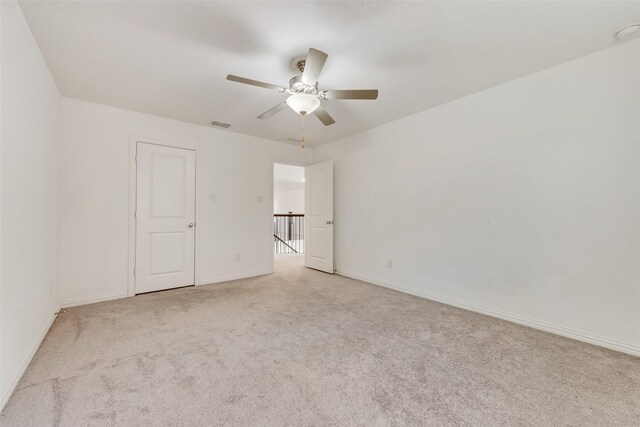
{"type": "Point", "coordinates": [272, 162]}
{"type": "Point", "coordinates": [133, 187]}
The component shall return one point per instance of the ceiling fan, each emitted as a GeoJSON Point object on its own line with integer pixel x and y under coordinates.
{"type": "Point", "coordinates": [304, 95]}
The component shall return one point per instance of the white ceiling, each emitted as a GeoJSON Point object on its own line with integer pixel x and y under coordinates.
{"type": "Point", "coordinates": [171, 58]}
{"type": "Point", "coordinates": [288, 173]}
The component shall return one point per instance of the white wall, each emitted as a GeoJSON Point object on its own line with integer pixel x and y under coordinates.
{"type": "Point", "coordinates": [288, 197]}
{"type": "Point", "coordinates": [233, 171]}
{"type": "Point", "coordinates": [29, 192]}
{"type": "Point", "coordinates": [522, 201]}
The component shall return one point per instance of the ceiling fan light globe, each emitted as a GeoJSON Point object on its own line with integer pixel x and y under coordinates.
{"type": "Point", "coordinates": [303, 103]}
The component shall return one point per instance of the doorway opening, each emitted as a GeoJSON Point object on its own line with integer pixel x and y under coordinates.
{"type": "Point", "coordinates": [288, 211]}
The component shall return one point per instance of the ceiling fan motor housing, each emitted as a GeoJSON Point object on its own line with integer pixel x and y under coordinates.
{"type": "Point", "coordinates": [297, 86]}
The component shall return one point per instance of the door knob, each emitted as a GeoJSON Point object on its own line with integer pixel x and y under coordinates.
{"type": "Point", "coordinates": [190, 225]}
{"type": "Point", "coordinates": [329, 222]}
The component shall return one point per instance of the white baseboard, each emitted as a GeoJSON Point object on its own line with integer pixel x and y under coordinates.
{"type": "Point", "coordinates": [234, 277]}
{"type": "Point", "coordinates": [102, 298]}
{"type": "Point", "coordinates": [27, 362]}
{"type": "Point", "coordinates": [92, 300]}
{"type": "Point", "coordinates": [558, 330]}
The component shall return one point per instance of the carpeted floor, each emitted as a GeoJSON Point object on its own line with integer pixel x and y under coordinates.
{"type": "Point", "coordinates": [300, 348]}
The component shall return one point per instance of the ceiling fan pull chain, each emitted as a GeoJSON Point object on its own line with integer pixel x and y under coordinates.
{"type": "Point", "coordinates": [302, 139]}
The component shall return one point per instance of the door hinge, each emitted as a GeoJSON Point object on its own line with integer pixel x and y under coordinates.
{"type": "Point", "coordinates": [134, 271]}
{"type": "Point", "coordinates": [135, 214]}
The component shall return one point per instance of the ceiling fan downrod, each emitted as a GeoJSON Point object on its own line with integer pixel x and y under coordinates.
{"type": "Point", "coordinates": [300, 65]}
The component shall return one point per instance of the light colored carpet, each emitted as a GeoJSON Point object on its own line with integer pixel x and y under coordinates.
{"type": "Point", "coordinates": [301, 347]}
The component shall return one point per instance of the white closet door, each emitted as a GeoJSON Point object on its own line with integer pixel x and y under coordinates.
{"type": "Point", "coordinates": [165, 217]}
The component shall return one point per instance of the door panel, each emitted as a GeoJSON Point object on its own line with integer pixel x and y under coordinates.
{"type": "Point", "coordinates": [318, 235]}
{"type": "Point", "coordinates": [167, 252]}
{"type": "Point", "coordinates": [319, 216]}
{"type": "Point", "coordinates": [165, 217]}
{"type": "Point", "coordinates": [169, 185]}
{"type": "Point", "coordinates": [318, 187]}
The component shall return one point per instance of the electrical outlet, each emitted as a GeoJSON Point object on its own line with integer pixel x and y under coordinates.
{"type": "Point", "coordinates": [260, 199]}
{"type": "Point", "coordinates": [389, 263]}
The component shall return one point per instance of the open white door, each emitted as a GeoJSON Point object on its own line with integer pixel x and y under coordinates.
{"type": "Point", "coordinates": [165, 217]}
{"type": "Point", "coordinates": [318, 224]}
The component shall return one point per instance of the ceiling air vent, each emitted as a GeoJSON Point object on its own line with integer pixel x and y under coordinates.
{"type": "Point", "coordinates": [220, 124]}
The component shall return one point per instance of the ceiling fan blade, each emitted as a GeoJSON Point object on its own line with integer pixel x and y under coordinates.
{"type": "Point", "coordinates": [313, 66]}
{"type": "Point", "coordinates": [273, 111]}
{"type": "Point", "coordinates": [350, 94]}
{"type": "Point", "coordinates": [324, 117]}
{"type": "Point", "coordinates": [255, 83]}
